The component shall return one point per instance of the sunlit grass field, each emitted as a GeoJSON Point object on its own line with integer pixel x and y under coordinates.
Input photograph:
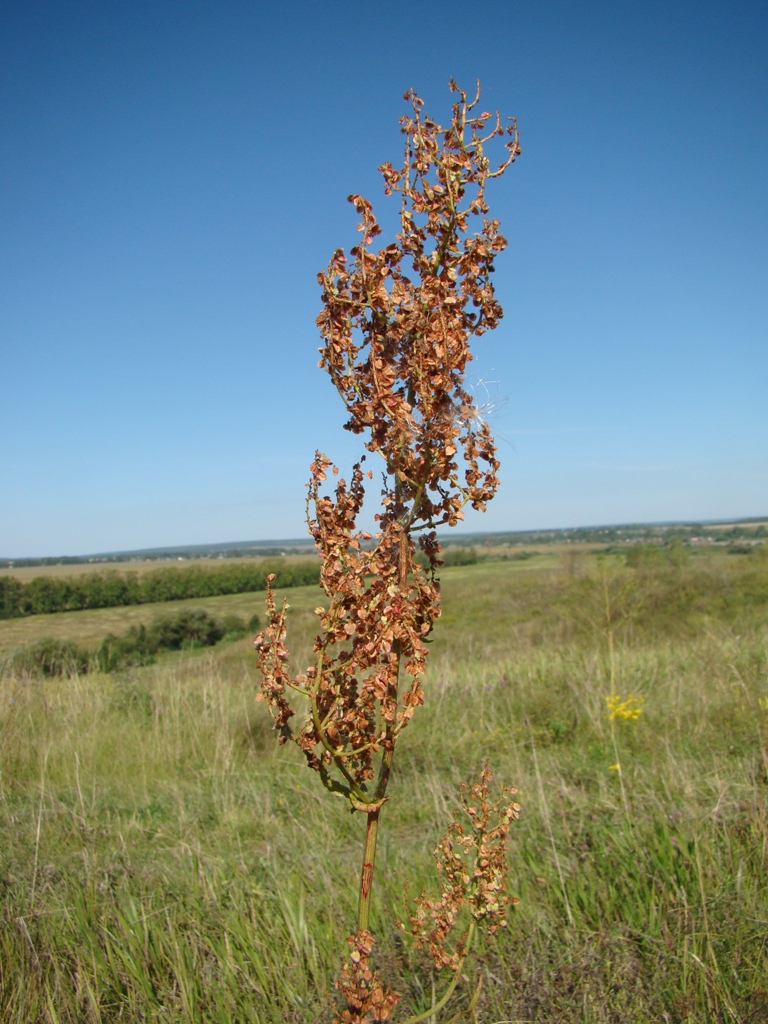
{"type": "Point", "coordinates": [163, 859]}
{"type": "Point", "coordinates": [26, 573]}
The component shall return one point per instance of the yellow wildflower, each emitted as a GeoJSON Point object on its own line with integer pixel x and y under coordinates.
{"type": "Point", "coordinates": [629, 709]}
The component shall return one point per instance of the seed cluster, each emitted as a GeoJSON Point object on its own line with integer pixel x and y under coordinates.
{"type": "Point", "coordinates": [472, 867]}
{"type": "Point", "coordinates": [396, 325]}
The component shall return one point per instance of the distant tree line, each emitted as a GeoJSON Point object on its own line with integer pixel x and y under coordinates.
{"type": "Point", "coordinates": [111, 589]}
{"type": "Point", "coordinates": [26, 563]}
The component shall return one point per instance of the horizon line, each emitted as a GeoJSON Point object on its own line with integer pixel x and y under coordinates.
{"type": "Point", "coordinates": [308, 542]}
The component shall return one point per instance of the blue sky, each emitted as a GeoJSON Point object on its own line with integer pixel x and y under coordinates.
{"type": "Point", "coordinates": [174, 173]}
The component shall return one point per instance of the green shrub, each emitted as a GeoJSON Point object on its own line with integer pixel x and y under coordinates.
{"type": "Point", "coordinates": [133, 648]}
{"type": "Point", "coordinates": [254, 624]}
{"type": "Point", "coordinates": [459, 556]}
{"type": "Point", "coordinates": [48, 658]}
{"type": "Point", "coordinates": [233, 626]}
{"type": "Point", "coordinates": [189, 624]}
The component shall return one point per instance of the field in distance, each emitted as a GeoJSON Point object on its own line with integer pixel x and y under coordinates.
{"type": "Point", "coordinates": [90, 626]}
{"type": "Point", "coordinates": [751, 530]}
{"type": "Point", "coordinates": [25, 573]}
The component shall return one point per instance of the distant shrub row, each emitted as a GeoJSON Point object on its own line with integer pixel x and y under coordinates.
{"type": "Point", "coordinates": [452, 556]}
{"type": "Point", "coordinates": [46, 594]}
{"type": "Point", "coordinates": [188, 629]}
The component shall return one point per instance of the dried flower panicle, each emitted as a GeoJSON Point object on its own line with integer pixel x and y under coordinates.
{"type": "Point", "coordinates": [364, 996]}
{"type": "Point", "coordinates": [471, 860]}
{"type": "Point", "coordinates": [396, 325]}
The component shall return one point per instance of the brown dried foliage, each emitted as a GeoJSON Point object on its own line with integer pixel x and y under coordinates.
{"type": "Point", "coordinates": [473, 871]}
{"type": "Point", "coordinates": [365, 997]}
{"type": "Point", "coordinates": [396, 325]}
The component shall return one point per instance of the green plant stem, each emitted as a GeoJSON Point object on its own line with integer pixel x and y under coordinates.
{"type": "Point", "coordinates": [416, 1018]}
{"type": "Point", "coordinates": [366, 875]}
{"type": "Point", "coordinates": [612, 668]}
{"type": "Point", "coordinates": [373, 810]}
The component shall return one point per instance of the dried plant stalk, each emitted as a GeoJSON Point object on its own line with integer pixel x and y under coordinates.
{"type": "Point", "coordinates": [396, 324]}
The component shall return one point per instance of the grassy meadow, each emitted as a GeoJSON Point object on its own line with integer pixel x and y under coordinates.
{"type": "Point", "coordinates": [163, 859]}
{"type": "Point", "coordinates": [25, 573]}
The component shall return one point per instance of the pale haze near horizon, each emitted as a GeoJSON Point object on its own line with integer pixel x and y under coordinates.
{"type": "Point", "coordinates": [174, 176]}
